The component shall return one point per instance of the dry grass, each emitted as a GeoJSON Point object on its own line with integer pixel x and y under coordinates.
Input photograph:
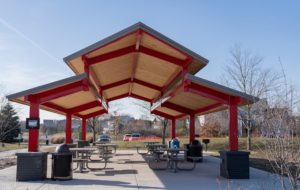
{"type": "Point", "coordinates": [89, 137]}
{"type": "Point", "coordinates": [7, 162]}
{"type": "Point", "coordinates": [57, 139]}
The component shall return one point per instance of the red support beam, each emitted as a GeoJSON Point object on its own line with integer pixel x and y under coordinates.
{"type": "Point", "coordinates": [85, 107]}
{"type": "Point", "coordinates": [208, 93]}
{"type": "Point", "coordinates": [154, 87]}
{"type": "Point", "coordinates": [233, 125]}
{"type": "Point", "coordinates": [140, 98]}
{"type": "Point", "coordinates": [161, 56]}
{"type": "Point", "coordinates": [118, 97]}
{"type": "Point", "coordinates": [59, 92]}
{"type": "Point", "coordinates": [119, 83]}
{"type": "Point", "coordinates": [83, 129]}
{"type": "Point", "coordinates": [192, 128]}
{"type": "Point", "coordinates": [97, 113]}
{"type": "Point", "coordinates": [173, 128]}
{"type": "Point", "coordinates": [58, 108]}
{"type": "Point", "coordinates": [208, 108]}
{"type": "Point", "coordinates": [34, 112]}
{"type": "Point", "coordinates": [177, 108]}
{"type": "Point", "coordinates": [110, 55]}
{"type": "Point", "coordinates": [167, 116]}
{"type": "Point", "coordinates": [135, 57]}
{"type": "Point", "coordinates": [68, 128]}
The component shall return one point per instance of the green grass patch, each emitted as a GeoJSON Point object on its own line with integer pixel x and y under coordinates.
{"type": "Point", "coordinates": [12, 146]}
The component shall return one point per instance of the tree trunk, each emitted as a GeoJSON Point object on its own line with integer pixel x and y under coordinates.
{"type": "Point", "coordinates": [163, 135]}
{"type": "Point", "coordinates": [248, 140]}
{"type": "Point", "coordinates": [94, 135]}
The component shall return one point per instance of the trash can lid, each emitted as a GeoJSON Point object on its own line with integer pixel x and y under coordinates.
{"type": "Point", "coordinates": [196, 142]}
{"type": "Point", "coordinates": [175, 140]}
{"type": "Point", "coordinates": [62, 148]}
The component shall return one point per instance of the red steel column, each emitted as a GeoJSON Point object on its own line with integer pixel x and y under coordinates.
{"type": "Point", "coordinates": [233, 125]}
{"type": "Point", "coordinates": [173, 132]}
{"type": "Point", "coordinates": [68, 128]}
{"type": "Point", "coordinates": [83, 129]}
{"type": "Point", "coordinates": [33, 137]}
{"type": "Point", "coordinates": [192, 128]}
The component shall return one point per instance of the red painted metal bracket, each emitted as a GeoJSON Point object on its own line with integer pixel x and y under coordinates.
{"type": "Point", "coordinates": [85, 107]}
{"type": "Point", "coordinates": [97, 113]}
{"type": "Point", "coordinates": [117, 97]}
{"type": "Point", "coordinates": [155, 112]}
{"type": "Point", "coordinates": [140, 97]}
{"type": "Point", "coordinates": [58, 92]}
{"type": "Point", "coordinates": [208, 93]}
{"type": "Point", "coordinates": [178, 108]}
{"type": "Point", "coordinates": [58, 108]}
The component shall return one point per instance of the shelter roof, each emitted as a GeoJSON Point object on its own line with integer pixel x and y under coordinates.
{"type": "Point", "coordinates": [67, 95]}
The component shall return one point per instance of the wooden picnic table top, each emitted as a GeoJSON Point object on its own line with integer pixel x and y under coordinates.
{"type": "Point", "coordinates": [172, 149]}
{"type": "Point", "coordinates": [82, 149]}
{"type": "Point", "coordinates": [153, 142]}
{"type": "Point", "coordinates": [155, 145]}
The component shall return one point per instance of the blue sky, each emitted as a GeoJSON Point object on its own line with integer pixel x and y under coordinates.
{"type": "Point", "coordinates": [35, 36]}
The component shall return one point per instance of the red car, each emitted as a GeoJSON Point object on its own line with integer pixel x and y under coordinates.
{"type": "Point", "coordinates": [135, 137]}
{"type": "Point", "coordinates": [127, 137]}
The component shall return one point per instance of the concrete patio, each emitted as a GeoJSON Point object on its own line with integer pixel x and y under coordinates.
{"type": "Point", "coordinates": [128, 170]}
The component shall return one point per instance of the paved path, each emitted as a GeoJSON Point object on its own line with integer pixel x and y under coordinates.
{"type": "Point", "coordinates": [128, 170]}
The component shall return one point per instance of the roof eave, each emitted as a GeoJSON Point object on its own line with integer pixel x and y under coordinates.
{"type": "Point", "coordinates": [130, 29]}
{"type": "Point", "coordinates": [46, 86]}
{"type": "Point", "coordinates": [222, 88]}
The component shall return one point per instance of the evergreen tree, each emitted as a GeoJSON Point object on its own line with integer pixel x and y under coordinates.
{"type": "Point", "coordinates": [10, 126]}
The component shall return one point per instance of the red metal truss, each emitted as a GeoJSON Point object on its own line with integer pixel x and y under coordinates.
{"type": "Point", "coordinates": [154, 87]}
{"type": "Point", "coordinates": [162, 114]}
{"type": "Point", "coordinates": [180, 116]}
{"type": "Point", "coordinates": [97, 113]}
{"type": "Point", "coordinates": [58, 108]}
{"type": "Point", "coordinates": [140, 97]}
{"type": "Point", "coordinates": [119, 83]}
{"type": "Point", "coordinates": [208, 93]}
{"type": "Point", "coordinates": [96, 96]}
{"type": "Point", "coordinates": [58, 92]}
{"type": "Point", "coordinates": [161, 56]}
{"type": "Point", "coordinates": [135, 57]}
{"type": "Point", "coordinates": [118, 97]}
{"type": "Point", "coordinates": [85, 107]}
{"type": "Point", "coordinates": [177, 108]}
{"type": "Point", "coordinates": [111, 55]}
{"type": "Point", "coordinates": [209, 108]}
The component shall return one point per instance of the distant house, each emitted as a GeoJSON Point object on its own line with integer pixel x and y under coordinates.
{"type": "Point", "coordinates": [108, 125]}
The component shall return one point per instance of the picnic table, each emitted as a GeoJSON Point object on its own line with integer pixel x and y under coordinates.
{"type": "Point", "coordinates": [103, 148]}
{"type": "Point", "coordinates": [103, 142]}
{"type": "Point", "coordinates": [84, 158]}
{"type": "Point", "coordinates": [172, 162]}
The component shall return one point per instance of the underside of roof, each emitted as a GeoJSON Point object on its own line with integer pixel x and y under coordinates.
{"type": "Point", "coordinates": [136, 62]}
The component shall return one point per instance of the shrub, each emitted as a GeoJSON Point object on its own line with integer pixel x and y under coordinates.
{"type": "Point", "coordinates": [89, 137]}
{"type": "Point", "coordinates": [57, 139]}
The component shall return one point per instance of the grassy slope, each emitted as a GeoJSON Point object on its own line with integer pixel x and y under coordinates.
{"type": "Point", "coordinates": [10, 146]}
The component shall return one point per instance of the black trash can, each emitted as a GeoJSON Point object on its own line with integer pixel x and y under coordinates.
{"type": "Point", "coordinates": [62, 166]}
{"type": "Point", "coordinates": [195, 150]}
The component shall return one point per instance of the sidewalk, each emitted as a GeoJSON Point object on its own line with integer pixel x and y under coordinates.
{"type": "Point", "coordinates": [128, 170]}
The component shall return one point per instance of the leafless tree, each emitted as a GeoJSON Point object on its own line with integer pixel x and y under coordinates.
{"type": "Point", "coordinates": [98, 121]}
{"type": "Point", "coordinates": [244, 72]}
{"type": "Point", "coordinates": [144, 108]}
{"type": "Point", "coordinates": [280, 122]}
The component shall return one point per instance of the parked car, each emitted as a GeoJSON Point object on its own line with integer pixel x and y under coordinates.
{"type": "Point", "coordinates": [135, 137]}
{"type": "Point", "coordinates": [126, 137]}
{"type": "Point", "coordinates": [104, 138]}
{"type": "Point", "coordinates": [151, 136]}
